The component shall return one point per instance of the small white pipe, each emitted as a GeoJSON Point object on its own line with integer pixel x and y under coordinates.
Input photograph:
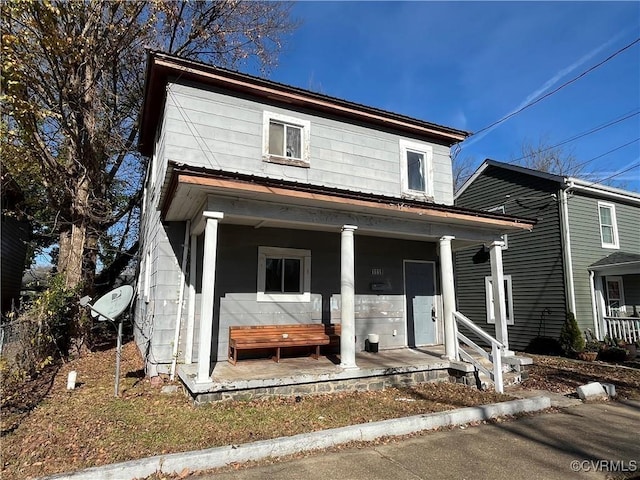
{"type": "Point", "coordinates": [176, 337]}
{"type": "Point", "coordinates": [594, 310]}
{"type": "Point", "coordinates": [566, 251]}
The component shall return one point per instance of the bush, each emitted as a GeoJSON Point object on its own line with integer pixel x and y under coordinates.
{"type": "Point", "coordinates": [571, 339]}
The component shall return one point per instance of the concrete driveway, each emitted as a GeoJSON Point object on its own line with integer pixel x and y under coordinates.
{"type": "Point", "coordinates": [587, 441]}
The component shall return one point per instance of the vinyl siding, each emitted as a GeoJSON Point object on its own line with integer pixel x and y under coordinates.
{"type": "Point", "coordinates": [586, 246]}
{"type": "Point", "coordinates": [214, 130]}
{"type": "Point", "coordinates": [533, 259]}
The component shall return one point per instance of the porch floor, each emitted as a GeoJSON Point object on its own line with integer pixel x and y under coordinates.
{"type": "Point", "coordinates": [256, 377]}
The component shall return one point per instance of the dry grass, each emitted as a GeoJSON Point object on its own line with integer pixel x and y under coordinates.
{"type": "Point", "coordinates": [71, 430]}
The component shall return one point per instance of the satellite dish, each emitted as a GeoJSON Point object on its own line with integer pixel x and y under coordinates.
{"type": "Point", "coordinates": [111, 305]}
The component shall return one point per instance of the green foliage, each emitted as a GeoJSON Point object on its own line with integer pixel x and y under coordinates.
{"type": "Point", "coordinates": [45, 329]}
{"type": "Point", "coordinates": [571, 339]}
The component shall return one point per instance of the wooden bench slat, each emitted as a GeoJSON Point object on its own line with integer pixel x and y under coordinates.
{"type": "Point", "coordinates": [271, 336]}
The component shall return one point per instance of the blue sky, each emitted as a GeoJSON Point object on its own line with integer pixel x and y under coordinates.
{"type": "Point", "coordinates": [468, 64]}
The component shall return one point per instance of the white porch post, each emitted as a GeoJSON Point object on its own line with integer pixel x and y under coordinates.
{"type": "Point", "coordinates": [191, 313]}
{"type": "Point", "coordinates": [499, 304]}
{"type": "Point", "coordinates": [448, 296]}
{"type": "Point", "coordinates": [347, 298]}
{"type": "Point", "coordinates": [208, 287]}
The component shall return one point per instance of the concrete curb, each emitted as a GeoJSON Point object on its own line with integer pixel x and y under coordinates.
{"type": "Point", "coordinates": [221, 456]}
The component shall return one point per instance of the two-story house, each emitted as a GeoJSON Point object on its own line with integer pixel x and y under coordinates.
{"type": "Point", "coordinates": [583, 255]}
{"type": "Point", "coordinates": [269, 204]}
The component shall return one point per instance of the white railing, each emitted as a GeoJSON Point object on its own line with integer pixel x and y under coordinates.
{"type": "Point", "coordinates": [496, 350]}
{"type": "Point", "coordinates": [623, 328]}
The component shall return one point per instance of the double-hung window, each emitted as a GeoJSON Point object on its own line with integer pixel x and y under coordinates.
{"type": "Point", "coordinates": [284, 274]}
{"type": "Point", "coordinates": [416, 167]}
{"type": "Point", "coordinates": [608, 225]}
{"type": "Point", "coordinates": [285, 140]}
{"type": "Point", "coordinates": [508, 298]}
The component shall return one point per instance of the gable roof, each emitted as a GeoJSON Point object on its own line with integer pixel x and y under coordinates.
{"type": "Point", "coordinates": [163, 68]}
{"type": "Point", "coordinates": [564, 182]}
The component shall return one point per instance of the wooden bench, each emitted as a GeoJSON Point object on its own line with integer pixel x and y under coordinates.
{"type": "Point", "coordinates": [256, 337]}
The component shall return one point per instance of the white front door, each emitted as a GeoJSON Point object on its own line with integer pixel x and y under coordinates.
{"type": "Point", "coordinates": [420, 289]}
{"type": "Point", "coordinates": [615, 297]}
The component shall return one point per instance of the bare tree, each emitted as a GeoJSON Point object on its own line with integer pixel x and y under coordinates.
{"type": "Point", "coordinates": [545, 157]}
{"type": "Point", "coordinates": [72, 82]}
{"type": "Point", "coordinates": [463, 167]}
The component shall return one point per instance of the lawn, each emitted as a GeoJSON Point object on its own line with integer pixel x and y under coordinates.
{"type": "Point", "coordinates": [70, 430]}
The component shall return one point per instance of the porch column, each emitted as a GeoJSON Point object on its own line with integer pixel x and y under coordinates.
{"type": "Point", "coordinates": [191, 315]}
{"type": "Point", "coordinates": [208, 288]}
{"type": "Point", "coordinates": [499, 304]}
{"type": "Point", "coordinates": [448, 296]}
{"type": "Point", "coordinates": [347, 298]}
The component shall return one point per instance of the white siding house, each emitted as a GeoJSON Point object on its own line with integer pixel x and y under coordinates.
{"type": "Point", "coordinates": [268, 204]}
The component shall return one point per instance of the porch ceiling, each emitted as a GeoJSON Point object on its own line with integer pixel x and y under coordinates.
{"type": "Point", "coordinates": [263, 203]}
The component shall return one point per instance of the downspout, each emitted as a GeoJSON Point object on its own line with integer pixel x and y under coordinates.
{"type": "Point", "coordinates": [176, 337]}
{"type": "Point", "coordinates": [566, 250]}
{"type": "Point", "coordinates": [594, 309]}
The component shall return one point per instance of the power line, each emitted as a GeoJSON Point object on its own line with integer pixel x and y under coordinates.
{"type": "Point", "coordinates": [615, 174]}
{"type": "Point", "coordinates": [548, 94]}
{"type": "Point", "coordinates": [606, 153]}
{"type": "Point", "coordinates": [583, 134]}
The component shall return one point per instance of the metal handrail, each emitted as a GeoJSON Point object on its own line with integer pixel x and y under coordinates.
{"type": "Point", "coordinates": [496, 350]}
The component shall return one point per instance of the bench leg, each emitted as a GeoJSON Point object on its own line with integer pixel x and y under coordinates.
{"type": "Point", "coordinates": [316, 355]}
{"type": "Point", "coordinates": [277, 357]}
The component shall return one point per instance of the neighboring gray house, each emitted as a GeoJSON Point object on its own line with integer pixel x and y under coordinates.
{"type": "Point", "coordinates": [583, 255]}
{"type": "Point", "coordinates": [269, 204]}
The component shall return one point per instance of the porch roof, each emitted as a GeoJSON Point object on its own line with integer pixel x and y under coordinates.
{"type": "Point", "coordinates": [617, 261]}
{"type": "Point", "coordinates": [187, 188]}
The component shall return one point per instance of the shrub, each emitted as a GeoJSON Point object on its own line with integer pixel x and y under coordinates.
{"type": "Point", "coordinates": [571, 339]}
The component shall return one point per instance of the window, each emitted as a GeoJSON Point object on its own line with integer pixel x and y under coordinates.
{"type": "Point", "coordinates": [284, 274]}
{"type": "Point", "coordinates": [508, 297]}
{"type": "Point", "coordinates": [286, 140]}
{"type": "Point", "coordinates": [615, 297]}
{"type": "Point", "coordinates": [608, 226]}
{"type": "Point", "coordinates": [504, 237]}
{"type": "Point", "coordinates": [416, 169]}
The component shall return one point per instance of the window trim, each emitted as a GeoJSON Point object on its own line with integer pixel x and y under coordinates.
{"type": "Point", "coordinates": [427, 150]}
{"type": "Point", "coordinates": [614, 226]}
{"type": "Point", "coordinates": [278, 252]}
{"type": "Point", "coordinates": [488, 292]}
{"type": "Point", "coordinates": [305, 138]}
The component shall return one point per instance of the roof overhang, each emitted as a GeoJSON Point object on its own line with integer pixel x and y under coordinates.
{"type": "Point", "coordinates": [618, 263]}
{"type": "Point", "coordinates": [187, 190]}
{"type": "Point", "coordinates": [163, 68]}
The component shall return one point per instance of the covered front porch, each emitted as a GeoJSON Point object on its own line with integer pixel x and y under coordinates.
{"type": "Point", "coordinates": [373, 265]}
{"type": "Point", "coordinates": [301, 375]}
{"type": "Point", "coordinates": [615, 290]}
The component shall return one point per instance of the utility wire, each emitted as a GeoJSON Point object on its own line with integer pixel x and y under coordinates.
{"type": "Point", "coordinates": [583, 134]}
{"type": "Point", "coordinates": [552, 92]}
{"type": "Point", "coordinates": [636, 165]}
{"type": "Point", "coordinates": [607, 153]}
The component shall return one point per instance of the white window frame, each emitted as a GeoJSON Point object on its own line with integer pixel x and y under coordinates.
{"type": "Point", "coordinates": [305, 138]}
{"type": "Point", "coordinates": [305, 271]}
{"type": "Point", "coordinates": [427, 151]}
{"type": "Point", "coordinates": [508, 292]}
{"type": "Point", "coordinates": [621, 311]}
{"type": "Point", "coordinates": [614, 226]}
{"type": "Point", "coordinates": [505, 237]}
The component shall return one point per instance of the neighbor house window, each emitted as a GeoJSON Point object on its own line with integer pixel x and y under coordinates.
{"type": "Point", "coordinates": [508, 297]}
{"type": "Point", "coordinates": [608, 225]}
{"type": "Point", "coordinates": [284, 274]}
{"type": "Point", "coordinates": [504, 237]}
{"type": "Point", "coordinates": [285, 140]}
{"type": "Point", "coordinates": [416, 169]}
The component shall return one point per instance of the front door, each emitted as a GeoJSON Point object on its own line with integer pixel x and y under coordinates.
{"type": "Point", "coordinates": [419, 288]}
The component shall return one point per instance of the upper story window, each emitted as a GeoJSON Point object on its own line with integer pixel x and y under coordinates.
{"type": "Point", "coordinates": [416, 168]}
{"type": "Point", "coordinates": [608, 225]}
{"type": "Point", "coordinates": [285, 140]}
{"type": "Point", "coordinates": [284, 274]}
